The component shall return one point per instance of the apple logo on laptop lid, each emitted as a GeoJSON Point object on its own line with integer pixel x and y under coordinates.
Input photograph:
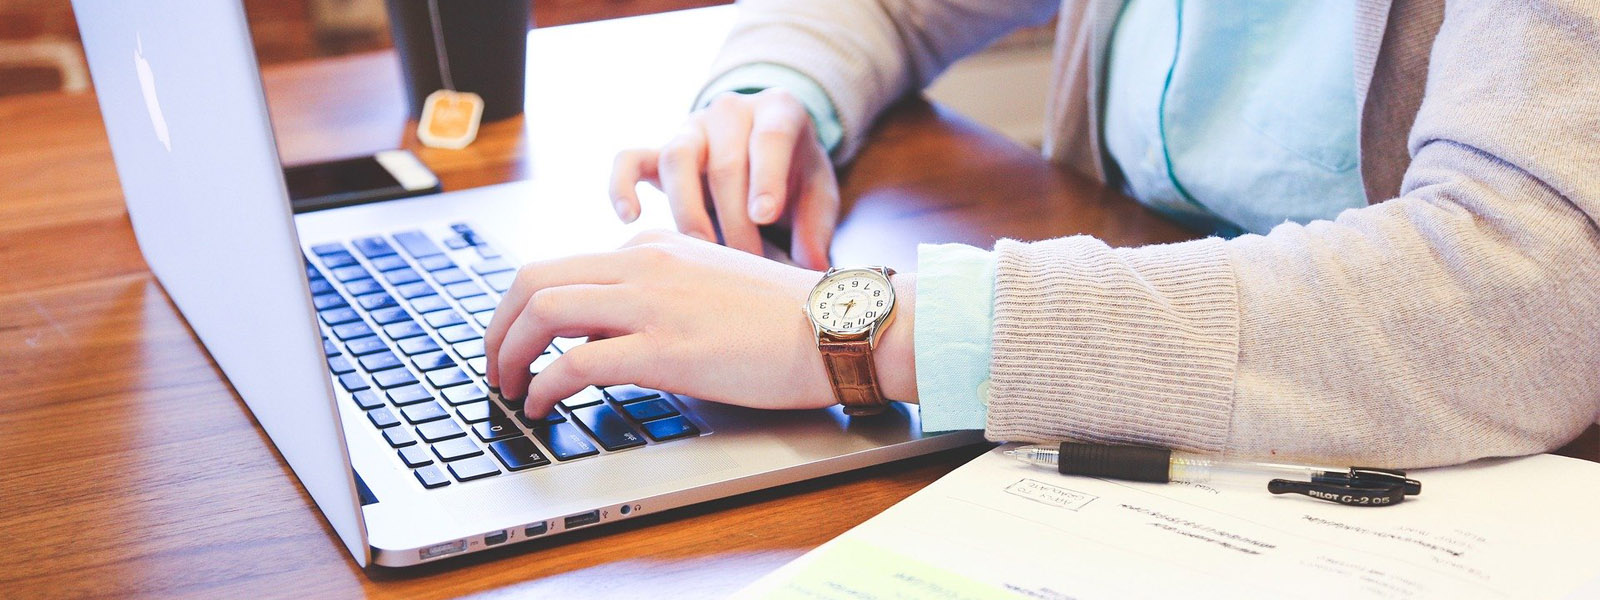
{"type": "Point", "coordinates": [147, 85]}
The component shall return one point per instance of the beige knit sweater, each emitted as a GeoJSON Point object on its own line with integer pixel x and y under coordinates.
{"type": "Point", "coordinates": [1456, 317]}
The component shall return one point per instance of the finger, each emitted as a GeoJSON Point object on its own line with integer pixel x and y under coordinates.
{"type": "Point", "coordinates": [774, 134]}
{"type": "Point", "coordinates": [679, 168]}
{"type": "Point", "coordinates": [728, 177]}
{"type": "Point", "coordinates": [611, 361]}
{"type": "Point", "coordinates": [567, 311]}
{"type": "Point", "coordinates": [631, 167]}
{"type": "Point", "coordinates": [815, 216]}
{"type": "Point", "coordinates": [603, 268]}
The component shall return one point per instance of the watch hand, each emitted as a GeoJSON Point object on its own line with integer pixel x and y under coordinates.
{"type": "Point", "coordinates": [847, 306]}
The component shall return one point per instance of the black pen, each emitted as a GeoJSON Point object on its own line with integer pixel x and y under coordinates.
{"type": "Point", "coordinates": [1353, 486]}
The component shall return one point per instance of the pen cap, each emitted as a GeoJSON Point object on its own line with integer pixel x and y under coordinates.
{"type": "Point", "coordinates": [1131, 463]}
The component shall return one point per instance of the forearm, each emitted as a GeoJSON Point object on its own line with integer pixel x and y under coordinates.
{"type": "Point", "coordinates": [894, 356]}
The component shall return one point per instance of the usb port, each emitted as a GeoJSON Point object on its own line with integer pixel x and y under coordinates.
{"type": "Point", "coordinates": [498, 537]}
{"type": "Point", "coordinates": [588, 518]}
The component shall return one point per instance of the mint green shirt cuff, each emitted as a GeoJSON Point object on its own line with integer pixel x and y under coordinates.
{"type": "Point", "coordinates": [953, 335]}
{"type": "Point", "coordinates": [754, 77]}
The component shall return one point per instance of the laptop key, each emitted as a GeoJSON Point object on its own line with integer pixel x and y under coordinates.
{"type": "Point", "coordinates": [424, 412]}
{"type": "Point", "coordinates": [493, 265]}
{"type": "Point", "coordinates": [625, 394]}
{"type": "Point", "coordinates": [456, 242]}
{"type": "Point", "coordinates": [389, 263]}
{"type": "Point", "coordinates": [456, 449]}
{"type": "Point", "coordinates": [498, 427]}
{"type": "Point", "coordinates": [608, 428]}
{"type": "Point", "coordinates": [373, 246]}
{"type": "Point", "coordinates": [416, 244]}
{"type": "Point", "coordinates": [403, 330]}
{"type": "Point", "coordinates": [428, 304]}
{"type": "Point", "coordinates": [431, 477]}
{"type": "Point", "coordinates": [353, 382]}
{"type": "Point", "coordinates": [588, 396]}
{"type": "Point", "coordinates": [402, 276]}
{"type": "Point", "coordinates": [390, 316]}
{"type": "Point", "coordinates": [327, 248]}
{"type": "Point", "coordinates": [320, 286]}
{"type": "Point", "coordinates": [443, 318]}
{"type": "Point", "coordinates": [518, 453]}
{"type": "Point", "coordinates": [338, 316]}
{"type": "Point", "coordinates": [365, 345]}
{"type": "Point", "coordinates": [340, 365]}
{"type": "Point", "coordinates": [474, 468]}
{"type": "Point", "coordinates": [465, 289]}
{"type": "Point", "coordinates": [444, 378]}
{"type": "Point", "coordinates": [672, 428]}
{"type": "Point", "coordinates": [475, 412]}
{"type": "Point", "coordinates": [450, 276]}
{"type": "Point", "coordinates": [439, 431]}
{"type": "Point", "coordinates": [464, 394]}
{"type": "Point", "coordinates": [486, 251]}
{"type": "Point", "coordinates": [435, 262]}
{"type": "Point", "coordinates": [362, 287]}
{"type": "Point", "coordinates": [483, 318]}
{"type": "Point", "coordinates": [432, 361]}
{"type": "Point", "coordinates": [650, 409]}
{"type": "Point", "coordinates": [329, 348]}
{"type": "Point", "coordinates": [383, 418]}
{"type": "Point", "coordinates": [327, 301]}
{"type": "Point", "coordinates": [418, 345]}
{"type": "Point", "coordinates": [415, 456]}
{"type": "Point", "coordinates": [478, 365]}
{"type": "Point", "coordinates": [411, 394]}
{"type": "Point", "coordinates": [398, 437]}
{"type": "Point", "coordinates": [459, 333]}
{"type": "Point", "coordinates": [350, 273]}
{"type": "Point", "coordinates": [478, 304]}
{"type": "Point", "coordinates": [367, 399]}
{"type": "Point", "coordinates": [379, 362]}
{"type": "Point", "coordinates": [350, 331]}
{"type": "Point", "coordinates": [564, 441]}
{"type": "Point", "coordinates": [375, 301]}
{"type": "Point", "coordinates": [394, 378]}
{"type": "Point", "coordinates": [336, 260]}
{"type": "Point", "coordinates": [500, 282]}
{"type": "Point", "coordinates": [415, 289]}
{"type": "Point", "coordinates": [468, 349]}
{"type": "Point", "coordinates": [532, 422]}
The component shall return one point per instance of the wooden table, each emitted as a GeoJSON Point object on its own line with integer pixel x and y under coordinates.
{"type": "Point", "coordinates": [128, 466]}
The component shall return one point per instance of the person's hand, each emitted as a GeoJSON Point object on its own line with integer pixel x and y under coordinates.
{"type": "Point", "coordinates": [756, 160]}
{"type": "Point", "coordinates": [673, 313]}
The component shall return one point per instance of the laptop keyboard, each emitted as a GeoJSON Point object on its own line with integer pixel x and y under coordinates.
{"type": "Point", "coordinates": [403, 317]}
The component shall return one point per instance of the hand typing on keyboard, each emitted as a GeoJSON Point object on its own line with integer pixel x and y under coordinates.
{"type": "Point", "coordinates": [672, 312]}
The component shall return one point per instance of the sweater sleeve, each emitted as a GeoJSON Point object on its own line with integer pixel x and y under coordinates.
{"type": "Point", "coordinates": [1459, 320]}
{"type": "Point", "coordinates": [867, 53]}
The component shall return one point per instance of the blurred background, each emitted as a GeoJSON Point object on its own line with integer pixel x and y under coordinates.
{"type": "Point", "coordinates": [1003, 87]}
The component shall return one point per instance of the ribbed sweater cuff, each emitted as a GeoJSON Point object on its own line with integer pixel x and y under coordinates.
{"type": "Point", "coordinates": [1131, 346]}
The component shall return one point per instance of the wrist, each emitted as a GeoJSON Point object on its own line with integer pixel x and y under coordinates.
{"type": "Point", "coordinates": [894, 357]}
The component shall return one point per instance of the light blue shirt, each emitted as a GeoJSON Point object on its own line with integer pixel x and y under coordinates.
{"type": "Point", "coordinates": [1230, 116]}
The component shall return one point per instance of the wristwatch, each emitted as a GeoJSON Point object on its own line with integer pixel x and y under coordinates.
{"type": "Point", "coordinates": [848, 309]}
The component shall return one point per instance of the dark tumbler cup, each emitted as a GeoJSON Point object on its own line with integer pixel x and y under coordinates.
{"type": "Point", "coordinates": [485, 44]}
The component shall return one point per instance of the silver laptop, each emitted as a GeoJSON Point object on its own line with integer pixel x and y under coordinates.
{"type": "Point", "coordinates": [354, 334]}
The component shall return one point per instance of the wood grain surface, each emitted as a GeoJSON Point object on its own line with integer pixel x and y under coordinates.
{"type": "Point", "coordinates": [131, 468]}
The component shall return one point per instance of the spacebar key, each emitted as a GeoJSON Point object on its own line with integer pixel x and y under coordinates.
{"type": "Point", "coordinates": [608, 428]}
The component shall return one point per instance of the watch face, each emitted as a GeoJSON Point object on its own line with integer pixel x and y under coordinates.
{"type": "Point", "coordinates": [850, 301]}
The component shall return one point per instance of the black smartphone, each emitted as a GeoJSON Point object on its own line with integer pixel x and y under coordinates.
{"type": "Point", "coordinates": [386, 175]}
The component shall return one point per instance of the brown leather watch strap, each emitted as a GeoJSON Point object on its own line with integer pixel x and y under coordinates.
{"type": "Point", "coordinates": [855, 380]}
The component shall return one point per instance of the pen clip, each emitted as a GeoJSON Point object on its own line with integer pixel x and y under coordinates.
{"type": "Point", "coordinates": [1360, 486]}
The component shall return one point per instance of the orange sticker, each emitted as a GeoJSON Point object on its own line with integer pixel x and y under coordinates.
{"type": "Point", "coordinates": [450, 119]}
